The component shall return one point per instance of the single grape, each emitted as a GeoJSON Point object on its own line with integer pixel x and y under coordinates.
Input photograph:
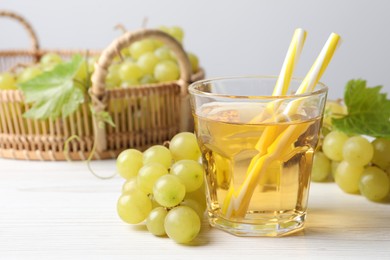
{"type": "Point", "coordinates": [130, 83]}
{"type": "Point", "coordinates": [112, 79]}
{"type": "Point", "coordinates": [357, 151]}
{"type": "Point", "coordinates": [321, 167]}
{"type": "Point", "coordinates": [168, 191]}
{"type": "Point", "coordinates": [190, 174]}
{"type": "Point", "coordinates": [147, 79]}
{"type": "Point", "coordinates": [177, 33]}
{"type": "Point", "coordinates": [147, 62]}
{"type": "Point", "coordinates": [348, 176]}
{"type": "Point", "coordinates": [29, 73]}
{"type": "Point", "coordinates": [7, 81]}
{"type": "Point", "coordinates": [199, 196]}
{"type": "Point", "coordinates": [182, 224]}
{"type": "Point", "coordinates": [130, 185]}
{"type": "Point", "coordinates": [155, 221]}
{"type": "Point", "coordinates": [133, 207]}
{"type": "Point", "coordinates": [184, 146]}
{"type": "Point", "coordinates": [333, 109]}
{"type": "Point", "coordinates": [334, 165]}
{"type": "Point", "coordinates": [163, 53]}
{"type": "Point", "coordinates": [129, 162]}
{"type": "Point", "coordinates": [196, 206]}
{"type": "Point", "coordinates": [159, 154]}
{"type": "Point", "coordinates": [374, 184]}
{"type": "Point", "coordinates": [86, 69]}
{"type": "Point", "coordinates": [333, 145]}
{"type": "Point", "coordinates": [129, 70]}
{"type": "Point", "coordinates": [166, 70]}
{"type": "Point", "coordinates": [148, 175]}
{"type": "Point", "coordinates": [141, 47]}
{"type": "Point", "coordinates": [381, 156]}
{"type": "Point", "coordinates": [194, 62]}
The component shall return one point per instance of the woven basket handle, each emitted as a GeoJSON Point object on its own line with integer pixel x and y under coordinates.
{"type": "Point", "coordinates": [27, 26]}
{"type": "Point", "coordinates": [98, 90]}
{"type": "Point", "coordinates": [107, 56]}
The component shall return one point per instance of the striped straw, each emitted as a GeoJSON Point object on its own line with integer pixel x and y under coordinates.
{"type": "Point", "coordinates": [316, 71]}
{"type": "Point", "coordinates": [293, 53]}
{"type": "Point", "coordinates": [291, 59]}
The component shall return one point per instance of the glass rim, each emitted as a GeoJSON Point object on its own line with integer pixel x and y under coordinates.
{"type": "Point", "coordinates": [194, 91]}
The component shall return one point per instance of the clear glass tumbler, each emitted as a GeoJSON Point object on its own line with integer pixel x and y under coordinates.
{"type": "Point", "coordinates": [257, 152]}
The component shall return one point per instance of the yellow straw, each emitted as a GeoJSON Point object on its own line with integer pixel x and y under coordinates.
{"type": "Point", "coordinates": [316, 71]}
{"type": "Point", "coordinates": [292, 56]}
{"type": "Point", "coordinates": [290, 61]}
{"type": "Point", "coordinates": [271, 147]}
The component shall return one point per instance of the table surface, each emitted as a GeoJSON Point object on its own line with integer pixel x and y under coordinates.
{"type": "Point", "coordinates": [60, 210]}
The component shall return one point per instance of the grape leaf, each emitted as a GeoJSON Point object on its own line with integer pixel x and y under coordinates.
{"type": "Point", "coordinates": [54, 93]}
{"type": "Point", "coordinates": [368, 111]}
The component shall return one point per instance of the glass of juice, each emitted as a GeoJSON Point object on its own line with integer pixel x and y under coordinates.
{"type": "Point", "coordinates": [257, 152]}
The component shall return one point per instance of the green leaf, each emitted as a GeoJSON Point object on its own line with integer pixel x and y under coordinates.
{"type": "Point", "coordinates": [54, 93]}
{"type": "Point", "coordinates": [368, 111]}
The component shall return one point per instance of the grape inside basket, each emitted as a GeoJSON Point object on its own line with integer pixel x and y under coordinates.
{"type": "Point", "coordinates": [143, 116]}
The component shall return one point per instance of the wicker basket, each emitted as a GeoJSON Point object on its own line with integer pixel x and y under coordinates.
{"type": "Point", "coordinates": [144, 116]}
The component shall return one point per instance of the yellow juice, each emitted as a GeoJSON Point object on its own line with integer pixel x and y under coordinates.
{"type": "Point", "coordinates": [272, 192]}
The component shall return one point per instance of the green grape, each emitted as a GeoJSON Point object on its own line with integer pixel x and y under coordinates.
{"type": "Point", "coordinates": [155, 221]}
{"type": "Point", "coordinates": [168, 191]}
{"type": "Point", "coordinates": [195, 205]}
{"type": "Point", "coordinates": [147, 79]}
{"type": "Point", "coordinates": [129, 162]}
{"type": "Point", "coordinates": [129, 70]}
{"type": "Point", "coordinates": [381, 156]}
{"type": "Point", "coordinates": [166, 70]}
{"type": "Point", "coordinates": [199, 196]}
{"type": "Point", "coordinates": [194, 62]}
{"type": "Point", "coordinates": [159, 154]}
{"type": "Point", "coordinates": [163, 53]}
{"type": "Point", "coordinates": [164, 29]}
{"type": "Point", "coordinates": [182, 224]}
{"type": "Point", "coordinates": [147, 62]}
{"type": "Point", "coordinates": [86, 69]}
{"type": "Point", "coordinates": [157, 44]}
{"type": "Point", "coordinates": [141, 47]}
{"type": "Point", "coordinates": [333, 145]}
{"type": "Point", "coordinates": [50, 58]}
{"type": "Point", "coordinates": [148, 175]}
{"type": "Point", "coordinates": [130, 83]}
{"type": "Point", "coordinates": [190, 174]}
{"type": "Point", "coordinates": [184, 146]}
{"type": "Point", "coordinates": [133, 207]}
{"type": "Point", "coordinates": [177, 33]}
{"type": "Point", "coordinates": [130, 185]}
{"type": "Point", "coordinates": [347, 177]}
{"type": "Point", "coordinates": [321, 167]}
{"type": "Point", "coordinates": [334, 165]}
{"type": "Point", "coordinates": [7, 81]}
{"type": "Point", "coordinates": [29, 73]}
{"type": "Point", "coordinates": [112, 79]}
{"type": "Point", "coordinates": [357, 151]}
{"type": "Point", "coordinates": [374, 184]}
{"type": "Point", "coordinates": [333, 109]}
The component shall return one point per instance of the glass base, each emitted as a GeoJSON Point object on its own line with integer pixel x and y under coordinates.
{"type": "Point", "coordinates": [277, 228]}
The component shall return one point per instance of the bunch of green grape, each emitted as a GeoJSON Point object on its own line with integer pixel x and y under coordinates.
{"type": "Point", "coordinates": [164, 188]}
{"type": "Point", "coordinates": [356, 164]}
{"type": "Point", "coordinates": [148, 61]}
{"type": "Point", "coordinates": [10, 80]}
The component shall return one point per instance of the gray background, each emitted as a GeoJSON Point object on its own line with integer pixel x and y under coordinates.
{"type": "Point", "coordinates": [231, 38]}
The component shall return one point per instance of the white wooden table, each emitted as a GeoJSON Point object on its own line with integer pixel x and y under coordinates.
{"type": "Point", "coordinates": [59, 210]}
